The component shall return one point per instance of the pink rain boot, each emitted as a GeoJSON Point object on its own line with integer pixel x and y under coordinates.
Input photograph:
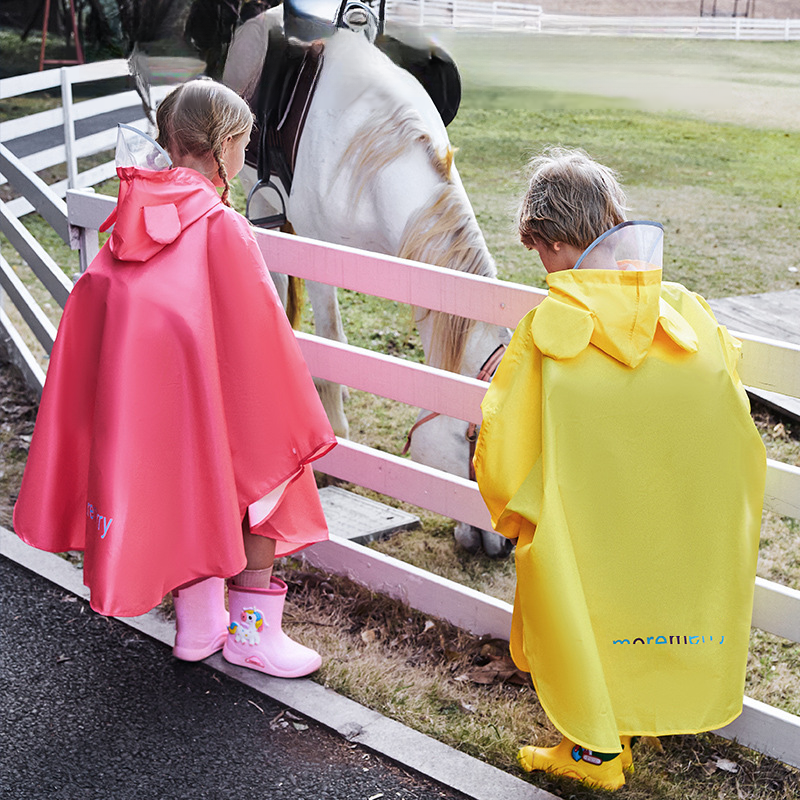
{"type": "Point", "coordinates": [201, 619]}
{"type": "Point", "coordinates": [255, 638]}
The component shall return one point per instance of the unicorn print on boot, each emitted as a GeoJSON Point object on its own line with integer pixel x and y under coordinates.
{"type": "Point", "coordinates": [255, 637]}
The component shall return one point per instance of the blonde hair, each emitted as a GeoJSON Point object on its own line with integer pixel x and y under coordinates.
{"type": "Point", "coordinates": [198, 117]}
{"type": "Point", "coordinates": [570, 198]}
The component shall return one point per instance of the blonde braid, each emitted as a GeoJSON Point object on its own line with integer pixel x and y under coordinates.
{"type": "Point", "coordinates": [223, 173]}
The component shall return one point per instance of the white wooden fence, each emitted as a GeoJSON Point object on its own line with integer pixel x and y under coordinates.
{"type": "Point", "coordinates": [496, 15]}
{"type": "Point", "coordinates": [501, 16]}
{"type": "Point", "coordinates": [739, 29]}
{"type": "Point", "coordinates": [68, 148]}
{"type": "Point", "coordinates": [766, 364]}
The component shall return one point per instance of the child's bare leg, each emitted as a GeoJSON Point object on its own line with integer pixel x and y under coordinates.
{"type": "Point", "coordinates": [260, 554]}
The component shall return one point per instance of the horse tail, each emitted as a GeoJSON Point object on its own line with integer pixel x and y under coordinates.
{"type": "Point", "coordinates": [295, 301]}
{"type": "Point", "coordinates": [295, 296]}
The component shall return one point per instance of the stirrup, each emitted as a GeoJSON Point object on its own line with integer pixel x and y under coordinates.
{"type": "Point", "coordinates": [274, 220]}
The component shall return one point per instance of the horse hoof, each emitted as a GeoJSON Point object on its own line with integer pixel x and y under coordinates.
{"type": "Point", "coordinates": [495, 545]}
{"type": "Point", "coordinates": [468, 537]}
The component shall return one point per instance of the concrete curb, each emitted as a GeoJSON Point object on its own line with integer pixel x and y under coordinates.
{"type": "Point", "coordinates": [355, 722]}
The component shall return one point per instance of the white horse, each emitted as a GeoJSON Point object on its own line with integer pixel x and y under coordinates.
{"type": "Point", "coordinates": [374, 170]}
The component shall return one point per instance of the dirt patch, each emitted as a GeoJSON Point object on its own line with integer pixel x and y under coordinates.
{"type": "Point", "coordinates": [17, 415]}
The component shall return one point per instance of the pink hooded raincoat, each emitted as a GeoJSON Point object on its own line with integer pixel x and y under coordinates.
{"type": "Point", "coordinates": [176, 397]}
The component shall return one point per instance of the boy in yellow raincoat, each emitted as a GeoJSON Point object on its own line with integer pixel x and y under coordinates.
{"type": "Point", "coordinates": [617, 448]}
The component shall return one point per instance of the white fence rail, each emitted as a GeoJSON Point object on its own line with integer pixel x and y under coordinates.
{"type": "Point", "coordinates": [736, 28]}
{"type": "Point", "coordinates": [531, 18]}
{"type": "Point", "coordinates": [496, 15]}
{"type": "Point", "coordinates": [67, 149]}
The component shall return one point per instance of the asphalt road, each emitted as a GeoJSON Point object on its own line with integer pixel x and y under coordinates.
{"type": "Point", "coordinates": [92, 710]}
{"type": "Point", "coordinates": [53, 137]}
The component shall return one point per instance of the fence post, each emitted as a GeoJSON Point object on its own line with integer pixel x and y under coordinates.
{"type": "Point", "coordinates": [85, 240]}
{"type": "Point", "coordinates": [89, 247]}
{"type": "Point", "coordinates": [69, 129]}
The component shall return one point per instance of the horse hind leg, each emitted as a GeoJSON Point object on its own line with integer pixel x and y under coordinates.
{"type": "Point", "coordinates": [328, 323]}
{"type": "Point", "coordinates": [332, 397]}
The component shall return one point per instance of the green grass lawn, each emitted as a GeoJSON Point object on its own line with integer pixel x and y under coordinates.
{"type": "Point", "coordinates": [728, 196]}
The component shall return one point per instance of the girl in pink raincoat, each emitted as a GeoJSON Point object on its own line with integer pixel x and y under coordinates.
{"type": "Point", "coordinates": [179, 420]}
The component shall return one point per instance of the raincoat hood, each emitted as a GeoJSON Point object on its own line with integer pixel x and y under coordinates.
{"type": "Point", "coordinates": [156, 203]}
{"type": "Point", "coordinates": [154, 208]}
{"type": "Point", "coordinates": [612, 300]}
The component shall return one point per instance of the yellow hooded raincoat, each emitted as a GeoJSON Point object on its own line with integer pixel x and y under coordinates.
{"type": "Point", "coordinates": [618, 446]}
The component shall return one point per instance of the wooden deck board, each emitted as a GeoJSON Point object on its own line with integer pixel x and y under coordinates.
{"type": "Point", "coordinates": [775, 315]}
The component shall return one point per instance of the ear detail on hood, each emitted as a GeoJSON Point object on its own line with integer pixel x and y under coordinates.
{"type": "Point", "coordinates": [162, 222]}
{"type": "Point", "coordinates": [676, 327]}
{"type": "Point", "coordinates": [561, 331]}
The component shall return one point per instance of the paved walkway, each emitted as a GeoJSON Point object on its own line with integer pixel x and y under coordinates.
{"type": "Point", "coordinates": [94, 707]}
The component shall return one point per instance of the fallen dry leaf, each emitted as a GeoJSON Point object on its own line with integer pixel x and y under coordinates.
{"type": "Point", "coordinates": [726, 765]}
{"type": "Point", "coordinates": [498, 670]}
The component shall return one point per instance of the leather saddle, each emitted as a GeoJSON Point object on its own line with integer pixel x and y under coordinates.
{"type": "Point", "coordinates": [288, 80]}
{"type": "Point", "coordinates": [291, 71]}
{"type": "Point", "coordinates": [430, 64]}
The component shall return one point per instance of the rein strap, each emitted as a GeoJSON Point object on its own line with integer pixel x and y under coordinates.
{"type": "Point", "coordinates": [485, 373]}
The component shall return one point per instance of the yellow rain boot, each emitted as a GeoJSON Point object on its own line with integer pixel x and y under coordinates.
{"type": "Point", "coordinates": [626, 756]}
{"type": "Point", "coordinates": [574, 761]}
